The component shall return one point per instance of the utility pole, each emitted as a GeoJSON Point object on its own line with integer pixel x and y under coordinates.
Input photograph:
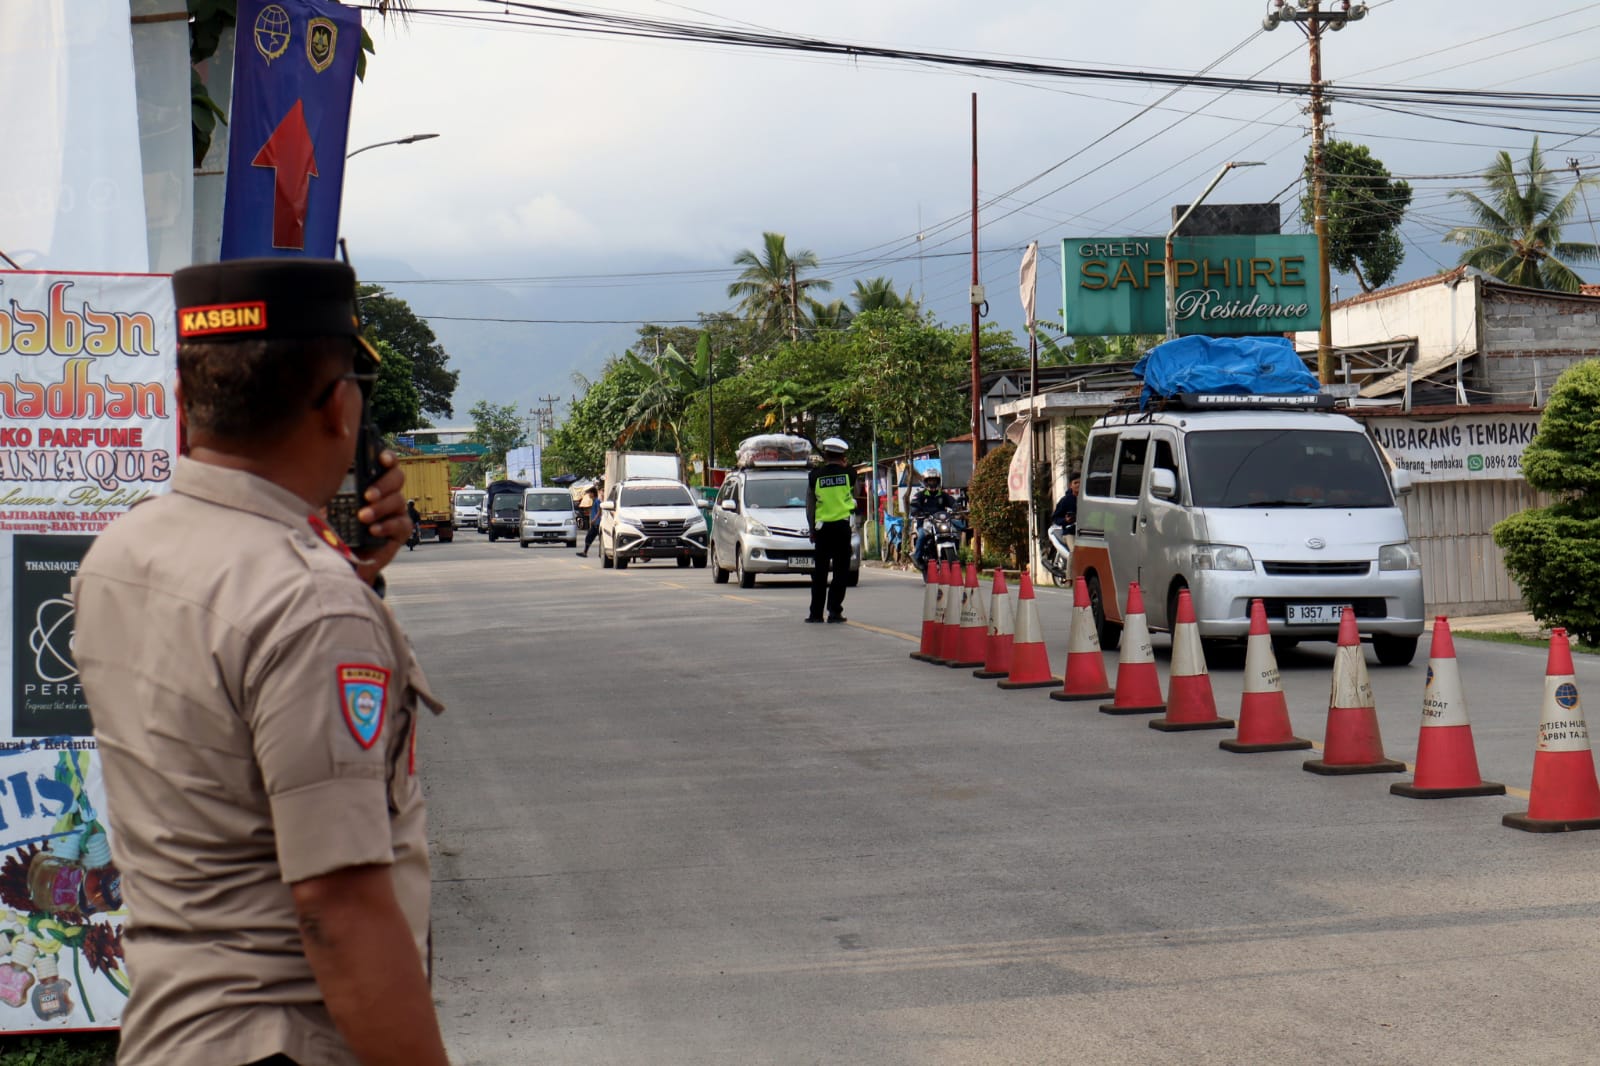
{"type": "Point", "coordinates": [794, 306]}
{"type": "Point", "coordinates": [977, 302]}
{"type": "Point", "coordinates": [1312, 20]}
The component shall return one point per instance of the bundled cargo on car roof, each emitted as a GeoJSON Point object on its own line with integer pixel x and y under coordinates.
{"type": "Point", "coordinates": [1192, 367]}
{"type": "Point", "coordinates": [773, 449]}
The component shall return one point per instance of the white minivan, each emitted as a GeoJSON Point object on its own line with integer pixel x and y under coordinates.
{"type": "Point", "coordinates": [1293, 506]}
{"type": "Point", "coordinates": [547, 517]}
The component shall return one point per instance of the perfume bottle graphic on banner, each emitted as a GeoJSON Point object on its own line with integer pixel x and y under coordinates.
{"type": "Point", "coordinates": [15, 975]}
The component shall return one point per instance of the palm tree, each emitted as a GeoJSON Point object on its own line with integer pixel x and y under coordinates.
{"type": "Point", "coordinates": [770, 290]}
{"type": "Point", "coordinates": [1517, 237]}
{"type": "Point", "coordinates": [831, 316]}
{"type": "Point", "coordinates": [670, 380]}
{"type": "Point", "coordinates": [879, 295]}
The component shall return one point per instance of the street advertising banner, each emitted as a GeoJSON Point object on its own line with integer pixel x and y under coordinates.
{"type": "Point", "coordinates": [1224, 286]}
{"type": "Point", "coordinates": [88, 427]}
{"type": "Point", "coordinates": [1485, 447]}
{"type": "Point", "coordinates": [293, 76]}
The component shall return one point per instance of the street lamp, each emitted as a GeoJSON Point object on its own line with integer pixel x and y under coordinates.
{"type": "Point", "coordinates": [1170, 266]}
{"type": "Point", "coordinates": [413, 139]}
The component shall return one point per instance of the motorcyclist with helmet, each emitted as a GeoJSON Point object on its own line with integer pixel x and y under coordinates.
{"type": "Point", "coordinates": [927, 501]}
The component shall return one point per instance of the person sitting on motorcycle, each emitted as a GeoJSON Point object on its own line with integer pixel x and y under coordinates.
{"type": "Point", "coordinates": [1066, 513]}
{"type": "Point", "coordinates": [926, 501]}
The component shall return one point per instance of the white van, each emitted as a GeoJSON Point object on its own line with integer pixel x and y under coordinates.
{"type": "Point", "coordinates": [548, 516]}
{"type": "Point", "coordinates": [1237, 500]}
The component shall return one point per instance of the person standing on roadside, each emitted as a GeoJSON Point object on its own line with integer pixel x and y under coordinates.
{"type": "Point", "coordinates": [256, 704]}
{"type": "Point", "coordinates": [592, 501]}
{"type": "Point", "coordinates": [830, 504]}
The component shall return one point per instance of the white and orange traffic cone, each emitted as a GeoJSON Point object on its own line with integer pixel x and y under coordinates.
{"type": "Point", "coordinates": [973, 631]}
{"type": "Point", "coordinates": [1564, 795]}
{"type": "Point", "coordinates": [1263, 711]}
{"type": "Point", "coordinates": [926, 651]}
{"type": "Point", "coordinates": [1447, 760]}
{"type": "Point", "coordinates": [1352, 744]}
{"type": "Point", "coordinates": [950, 621]}
{"type": "Point", "coordinates": [997, 652]}
{"type": "Point", "coordinates": [1138, 686]}
{"type": "Point", "coordinates": [1030, 662]}
{"type": "Point", "coordinates": [1085, 675]}
{"type": "Point", "coordinates": [1190, 702]}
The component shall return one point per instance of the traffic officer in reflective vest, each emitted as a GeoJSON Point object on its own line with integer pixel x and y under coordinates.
{"type": "Point", "coordinates": [830, 502]}
{"type": "Point", "coordinates": [256, 704]}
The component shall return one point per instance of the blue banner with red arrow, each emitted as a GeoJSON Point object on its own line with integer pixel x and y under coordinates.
{"type": "Point", "coordinates": [293, 75]}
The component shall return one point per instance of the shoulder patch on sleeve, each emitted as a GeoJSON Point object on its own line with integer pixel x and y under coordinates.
{"type": "Point", "coordinates": [364, 697]}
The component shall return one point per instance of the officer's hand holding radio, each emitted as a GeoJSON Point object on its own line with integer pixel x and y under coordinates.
{"type": "Point", "coordinates": [385, 517]}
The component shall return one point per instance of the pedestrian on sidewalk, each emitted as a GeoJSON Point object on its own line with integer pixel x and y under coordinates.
{"type": "Point", "coordinates": [830, 504]}
{"type": "Point", "coordinates": [255, 703]}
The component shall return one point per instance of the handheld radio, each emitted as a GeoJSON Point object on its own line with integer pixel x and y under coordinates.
{"type": "Point", "coordinates": [366, 467]}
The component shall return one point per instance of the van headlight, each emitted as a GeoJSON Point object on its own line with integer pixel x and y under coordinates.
{"type": "Point", "coordinates": [1399, 557]}
{"type": "Point", "coordinates": [757, 529]}
{"type": "Point", "coordinates": [1223, 557]}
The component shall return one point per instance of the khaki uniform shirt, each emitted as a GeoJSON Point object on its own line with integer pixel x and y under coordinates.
{"type": "Point", "coordinates": [255, 706]}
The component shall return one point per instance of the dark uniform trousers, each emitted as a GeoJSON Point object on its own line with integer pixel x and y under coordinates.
{"type": "Point", "coordinates": [833, 557]}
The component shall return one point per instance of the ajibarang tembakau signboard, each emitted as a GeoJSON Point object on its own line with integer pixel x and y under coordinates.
{"type": "Point", "coordinates": [1225, 285]}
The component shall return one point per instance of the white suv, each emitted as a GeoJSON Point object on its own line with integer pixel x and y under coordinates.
{"type": "Point", "coordinates": [651, 518]}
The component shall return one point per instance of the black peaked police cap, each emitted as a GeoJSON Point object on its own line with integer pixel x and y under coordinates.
{"type": "Point", "coordinates": [267, 299]}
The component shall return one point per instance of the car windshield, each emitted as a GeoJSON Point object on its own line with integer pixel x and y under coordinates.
{"type": "Point", "coordinates": [547, 501]}
{"type": "Point", "coordinates": [1285, 468]}
{"type": "Point", "coordinates": [775, 492]}
{"type": "Point", "coordinates": [507, 504]}
{"type": "Point", "coordinates": [469, 499]}
{"type": "Point", "coordinates": [655, 496]}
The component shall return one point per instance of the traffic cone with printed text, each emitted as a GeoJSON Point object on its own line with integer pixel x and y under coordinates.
{"type": "Point", "coordinates": [1190, 702]}
{"type": "Point", "coordinates": [1352, 744]}
{"type": "Point", "coordinates": [1085, 675]}
{"type": "Point", "coordinates": [1447, 760]}
{"type": "Point", "coordinates": [997, 651]}
{"type": "Point", "coordinates": [1263, 711]}
{"type": "Point", "coordinates": [1030, 662]}
{"type": "Point", "coordinates": [930, 626]}
{"type": "Point", "coordinates": [973, 632]}
{"type": "Point", "coordinates": [1138, 687]}
{"type": "Point", "coordinates": [955, 596]}
{"type": "Point", "coordinates": [1564, 795]}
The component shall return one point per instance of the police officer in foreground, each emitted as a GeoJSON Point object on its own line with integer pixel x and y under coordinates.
{"type": "Point", "coordinates": [256, 704]}
{"type": "Point", "coordinates": [830, 503]}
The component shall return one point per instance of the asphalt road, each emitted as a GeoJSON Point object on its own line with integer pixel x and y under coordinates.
{"type": "Point", "coordinates": [672, 824]}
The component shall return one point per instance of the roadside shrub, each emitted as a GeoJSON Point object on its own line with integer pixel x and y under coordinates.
{"type": "Point", "coordinates": [1554, 552]}
{"type": "Point", "coordinates": [1002, 524]}
{"type": "Point", "coordinates": [77, 1049]}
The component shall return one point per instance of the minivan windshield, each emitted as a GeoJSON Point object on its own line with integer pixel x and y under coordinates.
{"type": "Point", "coordinates": [547, 501]}
{"type": "Point", "coordinates": [655, 496]}
{"type": "Point", "coordinates": [1285, 468]}
{"type": "Point", "coordinates": [468, 499]}
{"type": "Point", "coordinates": [775, 491]}
{"type": "Point", "coordinates": [507, 503]}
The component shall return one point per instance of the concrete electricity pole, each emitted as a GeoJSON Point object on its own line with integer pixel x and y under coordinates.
{"type": "Point", "coordinates": [1311, 19]}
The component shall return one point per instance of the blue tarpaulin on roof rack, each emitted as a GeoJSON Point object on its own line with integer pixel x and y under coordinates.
{"type": "Point", "coordinates": [1239, 365]}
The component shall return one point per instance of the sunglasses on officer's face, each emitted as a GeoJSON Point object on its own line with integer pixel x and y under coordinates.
{"type": "Point", "coordinates": [364, 380]}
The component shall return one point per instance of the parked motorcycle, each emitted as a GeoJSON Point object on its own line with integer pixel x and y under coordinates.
{"type": "Point", "coordinates": [945, 543]}
{"type": "Point", "coordinates": [1058, 556]}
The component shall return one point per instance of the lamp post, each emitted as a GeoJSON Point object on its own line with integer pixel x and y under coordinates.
{"type": "Point", "coordinates": [413, 139]}
{"type": "Point", "coordinates": [1169, 268]}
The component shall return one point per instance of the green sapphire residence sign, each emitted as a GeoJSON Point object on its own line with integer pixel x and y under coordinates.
{"type": "Point", "coordinates": [1225, 285]}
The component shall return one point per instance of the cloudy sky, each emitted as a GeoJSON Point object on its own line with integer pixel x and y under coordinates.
{"type": "Point", "coordinates": [612, 180]}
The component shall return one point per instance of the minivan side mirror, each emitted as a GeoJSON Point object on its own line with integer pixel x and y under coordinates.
{"type": "Point", "coordinates": [608, 505]}
{"type": "Point", "coordinates": [1163, 483]}
{"type": "Point", "coordinates": [1402, 481]}
{"type": "Point", "coordinates": [730, 505]}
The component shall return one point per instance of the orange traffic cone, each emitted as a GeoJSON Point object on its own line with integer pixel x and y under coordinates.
{"type": "Point", "coordinates": [1190, 701]}
{"type": "Point", "coordinates": [1352, 744]}
{"type": "Point", "coordinates": [1447, 760]}
{"type": "Point", "coordinates": [955, 596]}
{"type": "Point", "coordinates": [930, 625]}
{"type": "Point", "coordinates": [997, 657]}
{"type": "Point", "coordinates": [1086, 667]}
{"type": "Point", "coordinates": [973, 633]}
{"type": "Point", "coordinates": [1030, 662]}
{"type": "Point", "coordinates": [1138, 687]}
{"type": "Point", "coordinates": [1564, 795]}
{"type": "Point", "coordinates": [1263, 711]}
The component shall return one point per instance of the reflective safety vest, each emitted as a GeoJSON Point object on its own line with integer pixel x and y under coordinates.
{"type": "Point", "coordinates": [834, 487]}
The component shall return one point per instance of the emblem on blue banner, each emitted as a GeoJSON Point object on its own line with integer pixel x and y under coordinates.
{"type": "Point", "coordinates": [363, 696]}
{"type": "Point", "coordinates": [322, 36]}
{"type": "Point", "coordinates": [272, 32]}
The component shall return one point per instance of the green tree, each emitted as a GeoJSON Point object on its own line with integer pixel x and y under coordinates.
{"type": "Point", "coordinates": [1516, 234]}
{"type": "Point", "coordinates": [1554, 552]}
{"type": "Point", "coordinates": [396, 404]}
{"type": "Point", "coordinates": [1000, 521]}
{"type": "Point", "coordinates": [905, 378]}
{"type": "Point", "coordinates": [598, 420]}
{"type": "Point", "coordinates": [498, 427]}
{"type": "Point", "coordinates": [388, 318]}
{"type": "Point", "coordinates": [772, 289]}
{"type": "Point", "coordinates": [1365, 207]}
{"type": "Point", "coordinates": [877, 294]}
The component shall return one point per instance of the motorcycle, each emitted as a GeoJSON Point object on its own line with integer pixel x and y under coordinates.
{"type": "Point", "coordinates": [1058, 558]}
{"type": "Point", "coordinates": [945, 542]}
